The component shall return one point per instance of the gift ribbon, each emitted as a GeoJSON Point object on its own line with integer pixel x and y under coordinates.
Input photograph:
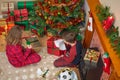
{"type": "Point", "coordinates": [8, 11]}
{"type": "Point", "coordinates": [21, 17]}
{"type": "Point", "coordinates": [24, 4]}
{"type": "Point", "coordinates": [90, 59]}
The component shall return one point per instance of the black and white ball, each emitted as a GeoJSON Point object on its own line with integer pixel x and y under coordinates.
{"type": "Point", "coordinates": [65, 75]}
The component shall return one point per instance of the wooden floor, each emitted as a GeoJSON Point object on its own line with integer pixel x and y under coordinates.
{"type": "Point", "coordinates": [2, 43]}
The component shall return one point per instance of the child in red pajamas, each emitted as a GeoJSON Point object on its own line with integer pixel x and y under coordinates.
{"type": "Point", "coordinates": [73, 52]}
{"type": "Point", "coordinates": [17, 55]}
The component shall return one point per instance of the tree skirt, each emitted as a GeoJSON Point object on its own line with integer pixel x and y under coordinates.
{"type": "Point", "coordinates": [30, 72]}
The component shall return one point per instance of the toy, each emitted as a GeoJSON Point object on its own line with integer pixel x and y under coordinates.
{"type": "Point", "coordinates": [39, 72]}
{"type": "Point", "coordinates": [28, 42]}
{"type": "Point", "coordinates": [107, 63]}
{"type": "Point", "coordinates": [44, 74]}
{"type": "Point", "coordinates": [67, 74]}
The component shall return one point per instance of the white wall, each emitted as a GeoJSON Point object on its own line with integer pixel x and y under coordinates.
{"type": "Point", "coordinates": [114, 8]}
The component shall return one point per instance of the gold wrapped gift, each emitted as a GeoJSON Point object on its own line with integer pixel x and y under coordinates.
{"type": "Point", "coordinates": [3, 22]}
{"type": "Point", "coordinates": [91, 57]}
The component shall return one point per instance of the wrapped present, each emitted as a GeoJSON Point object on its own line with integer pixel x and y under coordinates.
{"type": "Point", "coordinates": [2, 43]}
{"type": "Point", "coordinates": [2, 30]}
{"type": "Point", "coordinates": [53, 47]}
{"type": "Point", "coordinates": [26, 4]}
{"type": "Point", "coordinates": [23, 23]}
{"type": "Point", "coordinates": [3, 22]}
{"type": "Point", "coordinates": [91, 57]}
{"type": "Point", "coordinates": [21, 15]}
{"type": "Point", "coordinates": [3, 26]}
{"type": "Point", "coordinates": [54, 51]}
{"type": "Point", "coordinates": [6, 7]}
{"type": "Point", "coordinates": [50, 42]}
{"type": "Point", "coordinates": [34, 41]}
{"type": "Point", "coordinates": [6, 25]}
{"type": "Point", "coordinates": [10, 18]}
{"type": "Point", "coordinates": [10, 25]}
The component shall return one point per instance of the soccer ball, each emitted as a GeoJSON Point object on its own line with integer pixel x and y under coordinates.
{"type": "Point", "coordinates": [65, 75]}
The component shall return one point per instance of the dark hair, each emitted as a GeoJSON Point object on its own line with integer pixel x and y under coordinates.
{"type": "Point", "coordinates": [69, 36]}
{"type": "Point", "coordinates": [14, 35]}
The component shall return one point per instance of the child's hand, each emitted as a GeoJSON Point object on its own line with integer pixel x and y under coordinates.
{"type": "Point", "coordinates": [29, 46]}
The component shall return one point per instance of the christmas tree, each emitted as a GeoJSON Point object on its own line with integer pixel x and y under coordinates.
{"type": "Point", "coordinates": [56, 15]}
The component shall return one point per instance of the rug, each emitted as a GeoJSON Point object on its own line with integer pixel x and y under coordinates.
{"type": "Point", "coordinates": [30, 72]}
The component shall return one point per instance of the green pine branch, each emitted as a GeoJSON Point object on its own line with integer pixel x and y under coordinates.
{"type": "Point", "coordinates": [103, 12]}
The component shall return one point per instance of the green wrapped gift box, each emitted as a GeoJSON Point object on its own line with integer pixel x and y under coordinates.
{"type": "Point", "coordinates": [26, 4]}
{"type": "Point", "coordinates": [23, 23]}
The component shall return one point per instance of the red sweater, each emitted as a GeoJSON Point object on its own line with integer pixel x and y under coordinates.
{"type": "Point", "coordinates": [72, 54]}
{"type": "Point", "coordinates": [18, 56]}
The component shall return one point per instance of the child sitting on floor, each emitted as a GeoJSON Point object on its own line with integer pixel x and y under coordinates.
{"type": "Point", "coordinates": [17, 55]}
{"type": "Point", "coordinates": [73, 52]}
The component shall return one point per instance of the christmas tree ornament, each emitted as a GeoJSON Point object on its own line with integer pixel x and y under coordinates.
{"type": "Point", "coordinates": [108, 23]}
{"type": "Point", "coordinates": [45, 17]}
{"type": "Point", "coordinates": [34, 31]}
{"type": "Point", "coordinates": [56, 1]}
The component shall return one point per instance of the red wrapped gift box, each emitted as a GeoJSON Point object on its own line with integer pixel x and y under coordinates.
{"type": "Point", "coordinates": [10, 18]}
{"type": "Point", "coordinates": [21, 14]}
{"type": "Point", "coordinates": [1, 30]}
{"type": "Point", "coordinates": [51, 48]}
{"type": "Point", "coordinates": [50, 42]}
{"type": "Point", "coordinates": [54, 51]}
